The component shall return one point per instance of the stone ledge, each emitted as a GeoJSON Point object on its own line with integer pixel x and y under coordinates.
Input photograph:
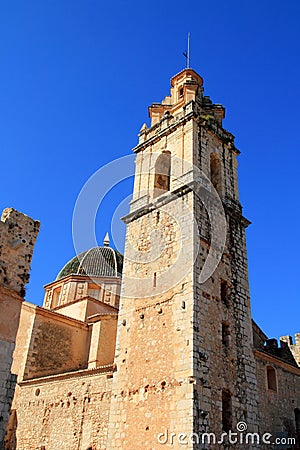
{"type": "Point", "coordinates": [105, 370]}
{"type": "Point", "coordinates": [184, 185]}
{"type": "Point", "coordinates": [158, 130]}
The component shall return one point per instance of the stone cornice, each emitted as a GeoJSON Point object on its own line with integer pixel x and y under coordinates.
{"type": "Point", "coordinates": [105, 370]}
{"type": "Point", "coordinates": [149, 206]}
{"type": "Point", "coordinates": [82, 278]}
{"type": "Point", "coordinates": [86, 298]}
{"type": "Point", "coordinates": [170, 123]}
{"type": "Point", "coordinates": [234, 209]}
{"type": "Point", "coordinates": [166, 126]}
{"type": "Point", "coordinates": [102, 316]}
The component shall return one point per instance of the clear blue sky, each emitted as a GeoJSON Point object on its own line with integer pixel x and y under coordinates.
{"type": "Point", "coordinates": [76, 79]}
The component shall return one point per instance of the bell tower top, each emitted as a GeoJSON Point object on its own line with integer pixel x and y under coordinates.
{"type": "Point", "coordinates": [186, 75]}
{"type": "Point", "coordinates": [185, 86]}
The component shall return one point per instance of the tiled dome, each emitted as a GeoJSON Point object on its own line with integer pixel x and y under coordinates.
{"type": "Point", "coordinates": [98, 262]}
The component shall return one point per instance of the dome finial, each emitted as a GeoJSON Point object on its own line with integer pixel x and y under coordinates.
{"type": "Point", "coordinates": [106, 240]}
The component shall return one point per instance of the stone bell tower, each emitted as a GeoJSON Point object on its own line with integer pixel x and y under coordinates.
{"type": "Point", "coordinates": [184, 361]}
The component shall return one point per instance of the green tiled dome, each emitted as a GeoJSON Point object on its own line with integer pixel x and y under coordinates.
{"type": "Point", "coordinates": [97, 262]}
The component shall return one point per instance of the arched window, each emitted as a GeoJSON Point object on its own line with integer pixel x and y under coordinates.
{"type": "Point", "coordinates": [162, 173]}
{"type": "Point", "coordinates": [215, 172]}
{"type": "Point", "coordinates": [271, 378]}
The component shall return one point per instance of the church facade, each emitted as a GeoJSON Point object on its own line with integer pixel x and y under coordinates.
{"type": "Point", "coordinates": [159, 350]}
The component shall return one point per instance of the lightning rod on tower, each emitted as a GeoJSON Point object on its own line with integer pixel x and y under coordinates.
{"type": "Point", "coordinates": [187, 54]}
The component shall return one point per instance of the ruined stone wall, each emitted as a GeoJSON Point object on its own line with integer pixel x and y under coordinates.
{"type": "Point", "coordinates": [18, 233]}
{"type": "Point", "coordinates": [277, 407]}
{"type": "Point", "coordinates": [259, 337]}
{"type": "Point", "coordinates": [294, 347]}
{"type": "Point", "coordinates": [66, 413]}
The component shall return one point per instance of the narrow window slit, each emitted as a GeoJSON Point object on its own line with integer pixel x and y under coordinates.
{"type": "Point", "coordinates": [154, 279]}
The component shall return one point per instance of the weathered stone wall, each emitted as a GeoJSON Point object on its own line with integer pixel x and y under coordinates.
{"type": "Point", "coordinates": [184, 361]}
{"type": "Point", "coordinates": [211, 361]}
{"type": "Point", "coordinates": [7, 385]}
{"type": "Point", "coordinates": [49, 343]}
{"type": "Point", "coordinates": [103, 340]}
{"type": "Point", "coordinates": [223, 355]}
{"type": "Point", "coordinates": [62, 412]}
{"type": "Point", "coordinates": [153, 381]}
{"type": "Point", "coordinates": [277, 407]}
{"type": "Point", "coordinates": [154, 354]}
{"type": "Point", "coordinates": [294, 347]}
{"type": "Point", "coordinates": [18, 233]}
{"type": "Point", "coordinates": [259, 337]}
{"type": "Point", "coordinates": [23, 339]}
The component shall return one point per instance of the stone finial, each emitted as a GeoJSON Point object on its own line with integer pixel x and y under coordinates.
{"type": "Point", "coordinates": [144, 128]}
{"type": "Point", "coordinates": [106, 240]}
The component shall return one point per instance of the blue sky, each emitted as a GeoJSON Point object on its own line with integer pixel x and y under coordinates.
{"type": "Point", "coordinates": [76, 80]}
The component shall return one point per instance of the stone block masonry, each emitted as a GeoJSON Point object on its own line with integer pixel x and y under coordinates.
{"type": "Point", "coordinates": [188, 360]}
{"type": "Point", "coordinates": [18, 233]}
{"type": "Point", "coordinates": [65, 412]}
{"type": "Point", "coordinates": [294, 347]}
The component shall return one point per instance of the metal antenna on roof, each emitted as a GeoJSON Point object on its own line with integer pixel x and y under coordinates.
{"type": "Point", "coordinates": [187, 54]}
